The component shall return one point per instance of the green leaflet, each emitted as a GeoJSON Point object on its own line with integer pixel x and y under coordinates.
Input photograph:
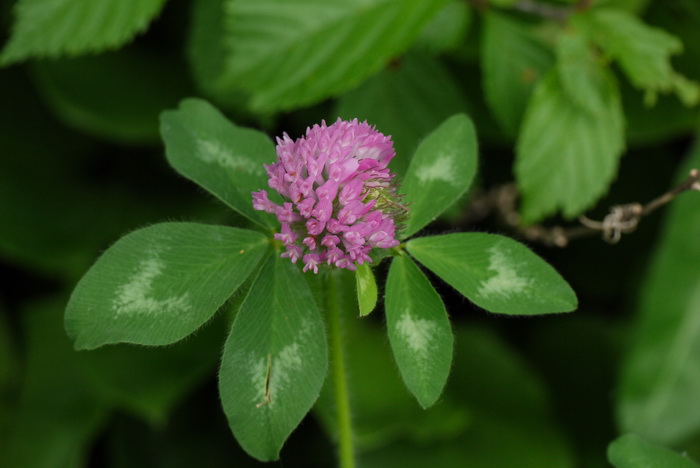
{"type": "Point", "coordinates": [495, 272]}
{"type": "Point", "coordinates": [631, 451]}
{"type": "Point", "coordinates": [419, 330]}
{"type": "Point", "coordinates": [275, 360]}
{"type": "Point", "coordinates": [441, 171]}
{"type": "Point", "coordinates": [566, 157]}
{"type": "Point", "coordinates": [297, 52]}
{"type": "Point", "coordinates": [202, 145]}
{"type": "Point", "coordinates": [660, 379]}
{"type": "Point", "coordinates": [383, 410]}
{"type": "Point", "coordinates": [52, 28]}
{"type": "Point", "coordinates": [159, 284]}
{"type": "Point", "coordinates": [366, 287]}
{"type": "Point", "coordinates": [513, 60]}
{"type": "Point", "coordinates": [407, 101]}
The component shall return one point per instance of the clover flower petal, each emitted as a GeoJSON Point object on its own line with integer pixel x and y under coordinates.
{"type": "Point", "coordinates": [340, 198]}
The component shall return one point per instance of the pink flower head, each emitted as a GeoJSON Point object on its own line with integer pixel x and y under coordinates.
{"type": "Point", "coordinates": [339, 196]}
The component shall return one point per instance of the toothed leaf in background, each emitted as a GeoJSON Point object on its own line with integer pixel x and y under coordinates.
{"type": "Point", "coordinates": [159, 284]}
{"type": "Point", "coordinates": [340, 44]}
{"type": "Point", "coordinates": [644, 53]}
{"type": "Point", "coordinates": [54, 28]}
{"type": "Point", "coordinates": [566, 158]}
{"type": "Point", "coordinates": [580, 72]}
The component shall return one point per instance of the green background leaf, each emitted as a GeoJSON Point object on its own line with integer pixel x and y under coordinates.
{"type": "Point", "coordinates": [660, 378]}
{"type": "Point", "coordinates": [447, 29]}
{"type": "Point", "coordinates": [419, 330]}
{"type": "Point", "coordinates": [644, 52]}
{"type": "Point", "coordinates": [159, 284]}
{"type": "Point", "coordinates": [340, 43]}
{"type": "Point", "coordinates": [513, 60]}
{"type": "Point", "coordinates": [202, 145]}
{"type": "Point", "coordinates": [275, 360]}
{"type": "Point", "coordinates": [495, 272]}
{"type": "Point", "coordinates": [52, 28]}
{"type": "Point", "coordinates": [631, 451]}
{"type": "Point", "coordinates": [366, 287]}
{"type": "Point", "coordinates": [581, 73]}
{"type": "Point", "coordinates": [208, 53]}
{"type": "Point", "coordinates": [407, 100]}
{"type": "Point", "coordinates": [566, 157]}
{"type": "Point", "coordinates": [441, 171]}
{"type": "Point", "coordinates": [149, 382]}
{"type": "Point", "coordinates": [55, 415]}
{"type": "Point", "coordinates": [493, 399]}
{"type": "Point", "coordinates": [116, 96]}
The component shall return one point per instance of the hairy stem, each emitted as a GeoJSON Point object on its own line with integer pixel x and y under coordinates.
{"type": "Point", "coordinates": [346, 451]}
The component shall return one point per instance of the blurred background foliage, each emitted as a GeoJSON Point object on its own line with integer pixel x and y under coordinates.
{"type": "Point", "coordinates": [559, 91]}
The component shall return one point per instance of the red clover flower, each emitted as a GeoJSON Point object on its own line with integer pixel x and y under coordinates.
{"type": "Point", "coordinates": [340, 198]}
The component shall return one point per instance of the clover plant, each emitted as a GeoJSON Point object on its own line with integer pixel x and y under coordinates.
{"type": "Point", "coordinates": [315, 210]}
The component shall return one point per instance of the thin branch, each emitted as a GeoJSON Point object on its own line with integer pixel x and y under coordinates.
{"type": "Point", "coordinates": [622, 219]}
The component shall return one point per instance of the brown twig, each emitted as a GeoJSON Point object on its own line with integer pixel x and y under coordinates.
{"type": "Point", "coordinates": [622, 219]}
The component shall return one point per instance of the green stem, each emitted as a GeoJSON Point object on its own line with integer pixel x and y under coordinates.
{"type": "Point", "coordinates": [338, 373]}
